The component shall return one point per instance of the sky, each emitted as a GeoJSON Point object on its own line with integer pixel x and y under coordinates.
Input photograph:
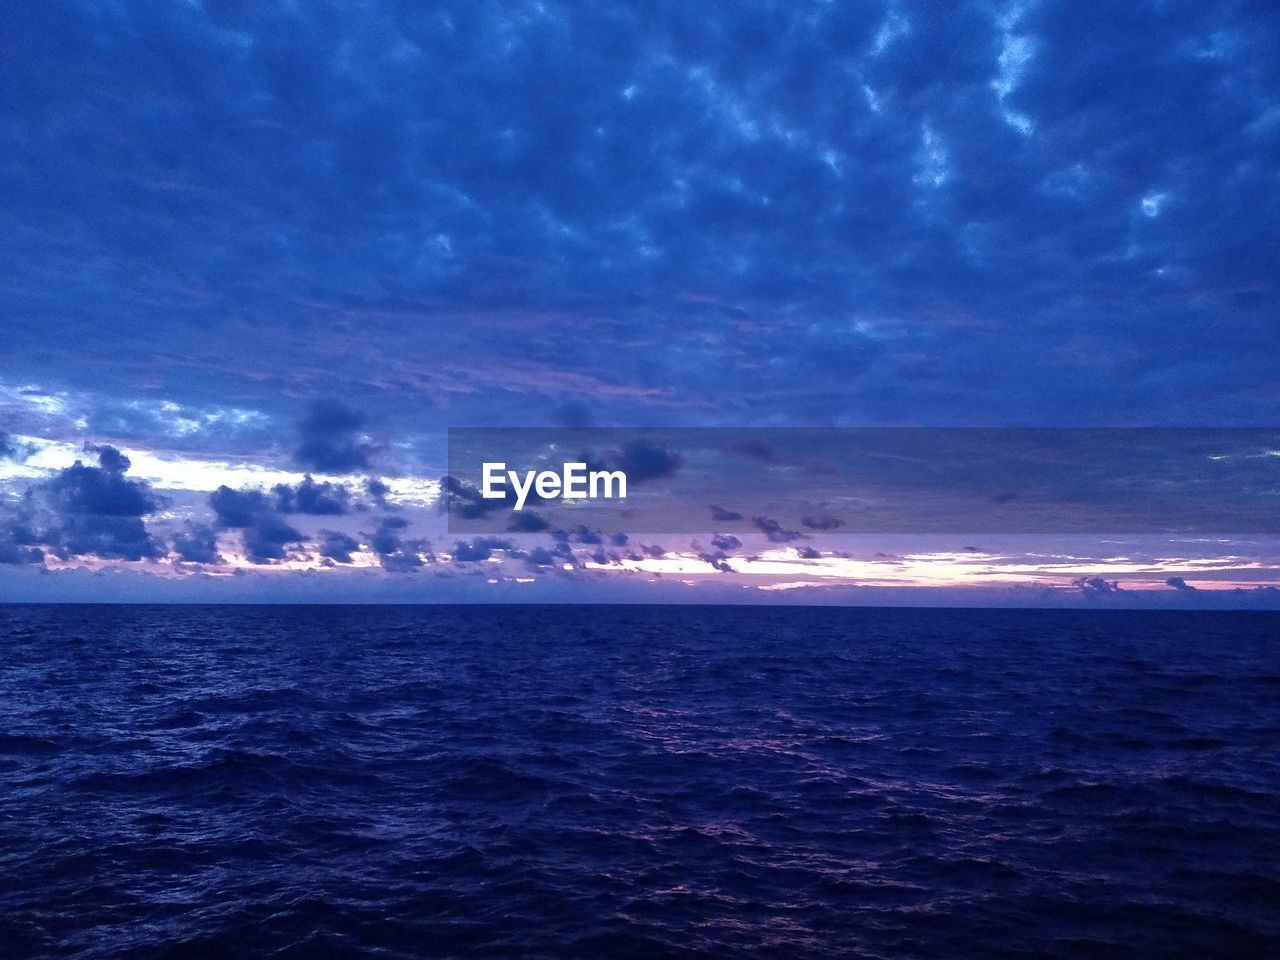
{"type": "Point", "coordinates": [257, 258]}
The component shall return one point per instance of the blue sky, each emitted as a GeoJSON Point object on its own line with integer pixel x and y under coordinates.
{"type": "Point", "coordinates": [247, 241]}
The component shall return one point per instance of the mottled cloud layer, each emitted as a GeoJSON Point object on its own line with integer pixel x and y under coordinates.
{"type": "Point", "coordinates": [530, 212]}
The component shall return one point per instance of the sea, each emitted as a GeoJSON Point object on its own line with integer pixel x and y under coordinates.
{"type": "Point", "coordinates": [637, 782]}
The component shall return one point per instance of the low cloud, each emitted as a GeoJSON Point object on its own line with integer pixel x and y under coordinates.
{"type": "Point", "coordinates": [198, 543]}
{"type": "Point", "coordinates": [721, 515]}
{"type": "Point", "coordinates": [822, 521]}
{"type": "Point", "coordinates": [264, 531]}
{"type": "Point", "coordinates": [310, 497]}
{"type": "Point", "coordinates": [479, 549]}
{"type": "Point", "coordinates": [337, 546]}
{"type": "Point", "coordinates": [1096, 586]}
{"type": "Point", "coordinates": [774, 531]}
{"type": "Point", "coordinates": [88, 511]}
{"type": "Point", "coordinates": [396, 552]}
{"type": "Point", "coordinates": [331, 440]}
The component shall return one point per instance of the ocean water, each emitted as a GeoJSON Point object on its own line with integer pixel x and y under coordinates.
{"type": "Point", "coordinates": [605, 782]}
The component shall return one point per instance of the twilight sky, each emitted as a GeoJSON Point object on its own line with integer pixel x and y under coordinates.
{"type": "Point", "coordinates": [244, 244]}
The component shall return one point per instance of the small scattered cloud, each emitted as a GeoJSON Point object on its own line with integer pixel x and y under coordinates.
{"type": "Point", "coordinates": [310, 497]}
{"type": "Point", "coordinates": [478, 549]}
{"type": "Point", "coordinates": [775, 532]}
{"type": "Point", "coordinates": [821, 521]}
{"type": "Point", "coordinates": [721, 515]}
{"type": "Point", "coordinates": [1096, 586]}
{"type": "Point", "coordinates": [197, 543]}
{"type": "Point", "coordinates": [337, 546]}
{"type": "Point", "coordinates": [331, 440]}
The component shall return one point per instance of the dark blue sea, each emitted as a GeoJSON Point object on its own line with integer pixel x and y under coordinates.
{"type": "Point", "coordinates": [648, 782]}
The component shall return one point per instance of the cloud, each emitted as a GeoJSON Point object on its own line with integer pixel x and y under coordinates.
{"type": "Point", "coordinates": [1180, 585]}
{"type": "Point", "coordinates": [1096, 586]}
{"type": "Point", "coordinates": [331, 441]}
{"type": "Point", "coordinates": [236, 509]}
{"type": "Point", "coordinates": [266, 540]}
{"type": "Point", "coordinates": [821, 522]}
{"type": "Point", "coordinates": [539, 557]}
{"type": "Point", "coordinates": [672, 180]}
{"type": "Point", "coordinates": [319, 499]}
{"type": "Point", "coordinates": [775, 532]}
{"type": "Point", "coordinates": [478, 549]}
{"type": "Point", "coordinates": [808, 553]}
{"type": "Point", "coordinates": [719, 560]}
{"type": "Point", "coordinates": [265, 533]}
{"type": "Point", "coordinates": [466, 502]}
{"type": "Point", "coordinates": [377, 491]}
{"type": "Point", "coordinates": [726, 542]}
{"type": "Point", "coordinates": [642, 460]}
{"type": "Point", "coordinates": [667, 178]}
{"type": "Point", "coordinates": [90, 511]}
{"type": "Point", "coordinates": [198, 543]}
{"type": "Point", "coordinates": [9, 449]}
{"type": "Point", "coordinates": [337, 546]}
{"type": "Point", "coordinates": [395, 552]}
{"type": "Point", "coordinates": [15, 554]}
{"type": "Point", "coordinates": [527, 522]}
{"type": "Point", "coordinates": [721, 515]}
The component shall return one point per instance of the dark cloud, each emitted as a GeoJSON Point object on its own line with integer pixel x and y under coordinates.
{"type": "Point", "coordinates": [337, 546]}
{"type": "Point", "coordinates": [821, 522]}
{"type": "Point", "coordinates": [642, 460]}
{"type": "Point", "coordinates": [319, 499]}
{"type": "Point", "coordinates": [808, 553]}
{"type": "Point", "coordinates": [237, 509]}
{"type": "Point", "coordinates": [719, 560]}
{"type": "Point", "coordinates": [466, 502]}
{"type": "Point", "coordinates": [9, 449]}
{"type": "Point", "coordinates": [90, 511]}
{"type": "Point", "coordinates": [1180, 585]}
{"type": "Point", "coordinates": [378, 491]}
{"type": "Point", "coordinates": [331, 440]}
{"type": "Point", "coordinates": [527, 522]}
{"type": "Point", "coordinates": [774, 531]}
{"type": "Point", "coordinates": [725, 541]}
{"type": "Point", "coordinates": [264, 531]}
{"type": "Point", "coordinates": [1096, 586]}
{"type": "Point", "coordinates": [722, 515]}
{"type": "Point", "coordinates": [678, 181]}
{"type": "Point", "coordinates": [480, 548]}
{"type": "Point", "coordinates": [539, 557]}
{"type": "Point", "coordinates": [267, 539]}
{"type": "Point", "coordinates": [396, 552]}
{"type": "Point", "coordinates": [618, 539]}
{"type": "Point", "coordinates": [197, 543]}
{"type": "Point", "coordinates": [15, 554]}
{"type": "Point", "coordinates": [386, 539]}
